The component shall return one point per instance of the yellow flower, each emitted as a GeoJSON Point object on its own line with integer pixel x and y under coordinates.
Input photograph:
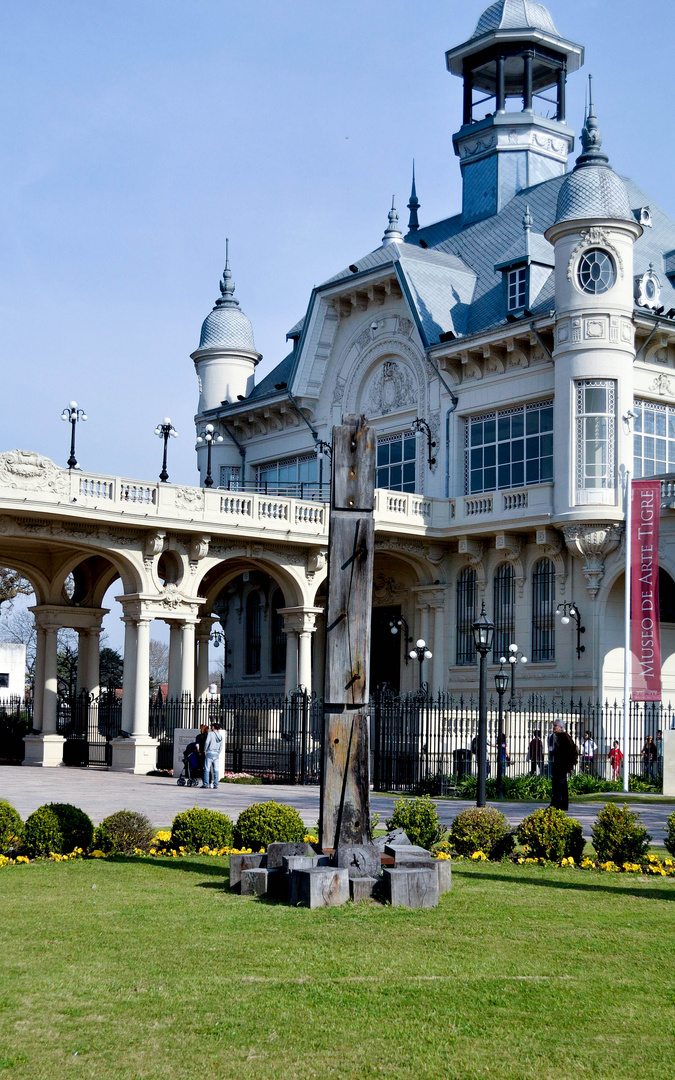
{"type": "Point", "coordinates": [22, 859]}
{"type": "Point", "coordinates": [4, 860]}
{"type": "Point", "coordinates": [98, 854]}
{"type": "Point", "coordinates": [309, 838]}
{"type": "Point", "coordinates": [610, 867]}
{"type": "Point", "coordinates": [443, 855]}
{"type": "Point", "coordinates": [587, 864]}
{"type": "Point", "coordinates": [479, 856]}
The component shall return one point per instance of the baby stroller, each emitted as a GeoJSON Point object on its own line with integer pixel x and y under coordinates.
{"type": "Point", "coordinates": [192, 767]}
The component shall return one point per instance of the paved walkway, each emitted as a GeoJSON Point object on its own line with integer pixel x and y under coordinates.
{"type": "Point", "coordinates": [100, 793]}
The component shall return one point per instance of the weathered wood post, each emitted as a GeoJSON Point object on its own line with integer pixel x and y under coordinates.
{"type": "Point", "coordinates": [345, 797]}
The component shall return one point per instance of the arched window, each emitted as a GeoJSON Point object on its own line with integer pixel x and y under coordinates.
{"type": "Point", "coordinates": [466, 616]}
{"type": "Point", "coordinates": [543, 611]}
{"type": "Point", "coordinates": [278, 665]}
{"type": "Point", "coordinates": [504, 588]}
{"type": "Point", "coordinates": [253, 637]}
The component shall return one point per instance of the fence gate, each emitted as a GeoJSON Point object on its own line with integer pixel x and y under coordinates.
{"type": "Point", "coordinates": [88, 725]}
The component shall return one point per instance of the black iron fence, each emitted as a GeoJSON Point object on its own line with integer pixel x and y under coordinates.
{"type": "Point", "coordinates": [417, 740]}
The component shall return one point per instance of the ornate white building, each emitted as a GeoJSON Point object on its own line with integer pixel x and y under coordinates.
{"type": "Point", "coordinates": [524, 331]}
{"type": "Point", "coordinates": [514, 359]}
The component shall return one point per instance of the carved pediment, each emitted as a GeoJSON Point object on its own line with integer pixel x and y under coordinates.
{"type": "Point", "coordinates": [30, 471]}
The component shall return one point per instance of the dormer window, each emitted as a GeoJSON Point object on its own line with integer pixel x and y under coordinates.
{"type": "Point", "coordinates": [516, 287]}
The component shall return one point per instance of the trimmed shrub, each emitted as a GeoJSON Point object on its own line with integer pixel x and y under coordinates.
{"type": "Point", "coordinates": [551, 834]}
{"type": "Point", "coordinates": [123, 832]}
{"type": "Point", "coordinates": [77, 828]}
{"type": "Point", "coordinates": [197, 828]}
{"type": "Point", "coordinates": [42, 833]}
{"type": "Point", "coordinates": [481, 829]}
{"type": "Point", "coordinates": [670, 834]}
{"type": "Point", "coordinates": [619, 835]}
{"type": "Point", "coordinates": [419, 819]}
{"type": "Point", "coordinates": [267, 823]}
{"type": "Point", "coordinates": [11, 828]}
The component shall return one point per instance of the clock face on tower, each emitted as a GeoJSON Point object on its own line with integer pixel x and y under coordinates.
{"type": "Point", "coordinates": [596, 273]}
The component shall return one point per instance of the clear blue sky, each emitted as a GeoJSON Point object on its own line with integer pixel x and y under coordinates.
{"type": "Point", "coordinates": [137, 134]}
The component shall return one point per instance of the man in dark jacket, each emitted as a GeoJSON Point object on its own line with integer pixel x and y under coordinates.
{"type": "Point", "coordinates": [563, 756]}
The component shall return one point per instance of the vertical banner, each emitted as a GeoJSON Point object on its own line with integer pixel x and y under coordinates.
{"type": "Point", "coordinates": [645, 625]}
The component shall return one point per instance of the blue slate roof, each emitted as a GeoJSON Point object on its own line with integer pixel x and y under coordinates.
{"type": "Point", "coordinates": [452, 285]}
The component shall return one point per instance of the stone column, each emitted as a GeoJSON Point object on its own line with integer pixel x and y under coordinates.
{"type": "Point", "coordinates": [299, 625]}
{"type": "Point", "coordinates": [187, 665]}
{"type": "Point", "coordinates": [291, 661]}
{"type": "Point", "coordinates": [319, 654]}
{"type": "Point", "coordinates": [202, 682]}
{"type": "Point", "coordinates": [45, 749]}
{"type": "Point", "coordinates": [49, 701]}
{"type": "Point", "coordinates": [141, 714]}
{"type": "Point", "coordinates": [39, 678]}
{"type": "Point", "coordinates": [129, 679]}
{"type": "Point", "coordinates": [305, 660]}
{"type": "Point", "coordinates": [93, 661]}
{"type": "Point", "coordinates": [82, 659]}
{"type": "Point", "coordinates": [174, 660]}
{"type": "Point", "coordinates": [438, 649]}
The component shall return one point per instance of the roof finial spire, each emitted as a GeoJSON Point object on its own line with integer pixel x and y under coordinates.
{"type": "Point", "coordinates": [226, 298]}
{"type": "Point", "coordinates": [393, 234]}
{"type": "Point", "coordinates": [591, 136]}
{"type": "Point", "coordinates": [413, 206]}
{"type": "Point", "coordinates": [528, 220]}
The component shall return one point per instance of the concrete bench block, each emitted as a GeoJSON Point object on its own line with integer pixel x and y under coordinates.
{"type": "Point", "coordinates": [407, 850]}
{"type": "Point", "coordinates": [394, 836]}
{"type": "Point", "coordinates": [360, 860]}
{"type": "Point", "coordinates": [411, 887]}
{"type": "Point", "coordinates": [322, 886]}
{"type": "Point", "coordinates": [277, 851]}
{"type": "Point", "coordinates": [304, 862]}
{"type": "Point", "coordinates": [443, 868]}
{"type": "Point", "coordinates": [361, 888]}
{"type": "Point", "coordinates": [254, 882]}
{"type": "Point", "coordinates": [278, 885]}
{"type": "Point", "coordinates": [239, 863]}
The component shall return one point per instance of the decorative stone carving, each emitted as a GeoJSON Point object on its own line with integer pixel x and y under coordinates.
{"type": "Point", "coordinates": [189, 498]}
{"type": "Point", "coordinates": [364, 339]}
{"type": "Point", "coordinates": [316, 560]}
{"type": "Point", "coordinates": [29, 470]}
{"type": "Point", "coordinates": [590, 238]}
{"type": "Point", "coordinates": [338, 391]}
{"type": "Point", "coordinates": [386, 590]}
{"type": "Point", "coordinates": [153, 545]}
{"type": "Point", "coordinates": [392, 387]}
{"type": "Point", "coordinates": [472, 550]}
{"type": "Point", "coordinates": [592, 544]}
{"type": "Point", "coordinates": [404, 325]}
{"type": "Point", "coordinates": [662, 386]}
{"type": "Point", "coordinates": [199, 547]}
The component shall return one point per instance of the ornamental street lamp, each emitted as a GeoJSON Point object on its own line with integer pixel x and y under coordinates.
{"type": "Point", "coordinates": [208, 438]}
{"type": "Point", "coordinates": [165, 431]}
{"type": "Point", "coordinates": [483, 631]}
{"type": "Point", "coordinates": [323, 450]}
{"type": "Point", "coordinates": [72, 414]}
{"type": "Point", "coordinates": [571, 611]}
{"type": "Point", "coordinates": [218, 638]}
{"type": "Point", "coordinates": [400, 624]}
{"type": "Point", "coordinates": [421, 653]}
{"type": "Point", "coordinates": [501, 685]}
{"type": "Point", "coordinates": [513, 658]}
{"type": "Point", "coordinates": [420, 424]}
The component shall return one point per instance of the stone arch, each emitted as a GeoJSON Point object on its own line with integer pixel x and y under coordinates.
{"type": "Point", "coordinates": [33, 575]}
{"type": "Point", "coordinates": [93, 574]}
{"type": "Point", "coordinates": [220, 573]}
{"type": "Point", "coordinates": [387, 350]}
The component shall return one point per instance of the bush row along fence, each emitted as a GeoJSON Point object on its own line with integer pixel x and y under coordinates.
{"type": "Point", "coordinates": [414, 737]}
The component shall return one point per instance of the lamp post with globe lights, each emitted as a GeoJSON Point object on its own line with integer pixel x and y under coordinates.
{"type": "Point", "coordinates": [513, 658]}
{"type": "Point", "coordinates": [483, 632]}
{"type": "Point", "coordinates": [400, 624]}
{"type": "Point", "coordinates": [208, 438]}
{"type": "Point", "coordinates": [501, 686]}
{"type": "Point", "coordinates": [421, 653]}
{"type": "Point", "coordinates": [570, 611]}
{"type": "Point", "coordinates": [165, 431]}
{"type": "Point", "coordinates": [72, 414]}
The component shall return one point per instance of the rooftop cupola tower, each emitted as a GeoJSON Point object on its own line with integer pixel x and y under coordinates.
{"type": "Point", "coordinates": [227, 356]}
{"type": "Point", "coordinates": [513, 132]}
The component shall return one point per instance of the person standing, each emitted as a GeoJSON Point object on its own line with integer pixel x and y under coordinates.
{"type": "Point", "coordinates": [615, 760]}
{"type": "Point", "coordinates": [535, 753]}
{"type": "Point", "coordinates": [659, 754]}
{"type": "Point", "coordinates": [649, 756]}
{"type": "Point", "coordinates": [212, 747]}
{"type": "Point", "coordinates": [588, 748]}
{"type": "Point", "coordinates": [563, 756]}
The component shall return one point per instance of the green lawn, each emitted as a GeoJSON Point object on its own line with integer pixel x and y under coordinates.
{"type": "Point", "coordinates": [149, 969]}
